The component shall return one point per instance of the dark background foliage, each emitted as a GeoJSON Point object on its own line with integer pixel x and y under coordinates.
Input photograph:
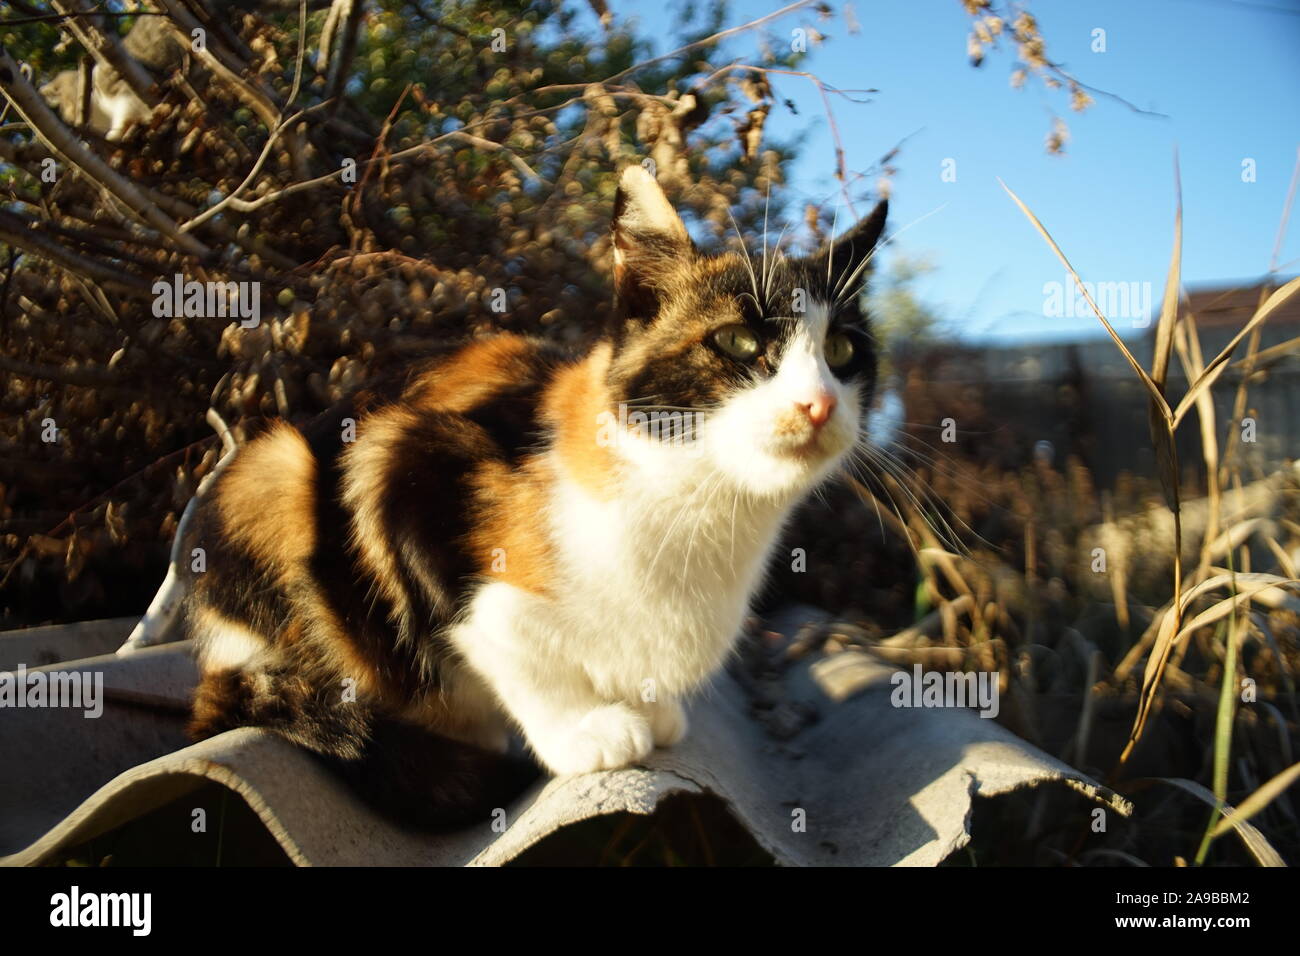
{"type": "Point", "coordinates": [485, 166]}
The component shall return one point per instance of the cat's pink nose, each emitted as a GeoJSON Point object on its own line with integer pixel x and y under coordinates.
{"type": "Point", "coordinates": [819, 409]}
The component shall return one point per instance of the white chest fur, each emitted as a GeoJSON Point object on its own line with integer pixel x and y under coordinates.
{"type": "Point", "coordinates": [649, 591]}
{"type": "Point", "coordinates": [657, 580]}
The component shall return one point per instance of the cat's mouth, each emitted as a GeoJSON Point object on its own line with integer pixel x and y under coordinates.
{"type": "Point", "coordinates": [810, 450]}
{"type": "Point", "coordinates": [800, 441]}
{"type": "Point", "coordinates": [806, 450]}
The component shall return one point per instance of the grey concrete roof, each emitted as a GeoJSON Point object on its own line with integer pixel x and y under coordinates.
{"type": "Point", "coordinates": [878, 785]}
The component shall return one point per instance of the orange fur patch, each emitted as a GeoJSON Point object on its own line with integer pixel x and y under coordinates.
{"type": "Point", "coordinates": [267, 499]}
{"type": "Point", "coordinates": [573, 404]}
{"type": "Point", "coordinates": [473, 375]}
{"type": "Point", "coordinates": [510, 538]}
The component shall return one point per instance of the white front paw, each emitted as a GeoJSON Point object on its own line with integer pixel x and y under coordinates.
{"type": "Point", "coordinates": [667, 722]}
{"type": "Point", "coordinates": [606, 738]}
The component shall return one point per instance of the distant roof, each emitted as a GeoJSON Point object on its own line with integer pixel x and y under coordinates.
{"type": "Point", "coordinates": [1232, 305]}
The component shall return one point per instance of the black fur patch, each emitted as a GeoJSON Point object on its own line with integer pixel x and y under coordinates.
{"type": "Point", "coordinates": [414, 777]}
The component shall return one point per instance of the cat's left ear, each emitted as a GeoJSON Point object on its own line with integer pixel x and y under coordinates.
{"type": "Point", "coordinates": [850, 250]}
{"type": "Point", "coordinates": [650, 242]}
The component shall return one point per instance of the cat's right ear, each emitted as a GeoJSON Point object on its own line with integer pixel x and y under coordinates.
{"type": "Point", "coordinates": [650, 243]}
{"type": "Point", "coordinates": [853, 249]}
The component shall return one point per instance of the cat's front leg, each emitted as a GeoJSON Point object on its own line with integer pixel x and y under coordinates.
{"type": "Point", "coordinates": [566, 723]}
{"type": "Point", "coordinates": [667, 720]}
{"type": "Point", "coordinates": [572, 734]}
{"type": "Point", "coordinates": [607, 737]}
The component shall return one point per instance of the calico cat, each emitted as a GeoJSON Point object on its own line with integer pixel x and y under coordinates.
{"type": "Point", "coordinates": [508, 544]}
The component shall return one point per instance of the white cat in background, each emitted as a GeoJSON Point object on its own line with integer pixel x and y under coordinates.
{"type": "Point", "coordinates": [114, 106]}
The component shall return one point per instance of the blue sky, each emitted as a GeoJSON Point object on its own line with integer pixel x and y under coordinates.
{"type": "Point", "coordinates": [1226, 74]}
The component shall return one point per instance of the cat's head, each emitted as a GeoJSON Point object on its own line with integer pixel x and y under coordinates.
{"type": "Point", "coordinates": [776, 356]}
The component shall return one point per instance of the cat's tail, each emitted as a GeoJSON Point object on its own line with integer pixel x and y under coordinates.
{"type": "Point", "coordinates": [407, 773]}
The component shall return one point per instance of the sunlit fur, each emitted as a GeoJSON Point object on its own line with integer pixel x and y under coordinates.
{"type": "Point", "coordinates": [488, 554]}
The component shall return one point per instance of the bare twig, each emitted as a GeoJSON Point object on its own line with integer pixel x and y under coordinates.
{"type": "Point", "coordinates": [85, 377]}
{"type": "Point", "coordinates": [56, 135]}
{"type": "Point", "coordinates": [23, 233]}
{"type": "Point", "coordinates": [711, 40]}
{"type": "Point", "coordinates": [350, 23]}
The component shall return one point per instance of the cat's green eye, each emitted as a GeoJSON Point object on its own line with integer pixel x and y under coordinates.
{"type": "Point", "coordinates": [839, 350]}
{"type": "Point", "coordinates": [737, 341]}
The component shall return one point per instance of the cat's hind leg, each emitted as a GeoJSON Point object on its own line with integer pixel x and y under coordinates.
{"type": "Point", "coordinates": [406, 772]}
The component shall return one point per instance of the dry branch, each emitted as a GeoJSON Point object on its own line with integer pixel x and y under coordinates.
{"type": "Point", "coordinates": [61, 140]}
{"type": "Point", "coordinates": [26, 234]}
